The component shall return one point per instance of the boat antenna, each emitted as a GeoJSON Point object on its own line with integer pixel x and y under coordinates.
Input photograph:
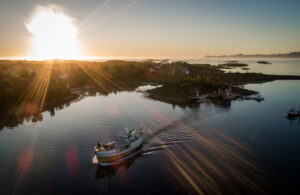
{"type": "Point", "coordinates": [147, 125]}
{"type": "Point", "coordinates": [107, 137]}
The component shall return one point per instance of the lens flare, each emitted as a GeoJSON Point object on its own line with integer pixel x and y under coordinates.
{"type": "Point", "coordinates": [54, 35]}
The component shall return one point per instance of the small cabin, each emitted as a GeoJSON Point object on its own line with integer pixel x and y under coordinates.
{"type": "Point", "coordinates": [63, 76]}
{"type": "Point", "coordinates": [157, 66]}
{"type": "Point", "coordinates": [185, 71]}
{"type": "Point", "coordinates": [194, 92]}
{"type": "Point", "coordinates": [152, 70]}
{"type": "Point", "coordinates": [224, 91]}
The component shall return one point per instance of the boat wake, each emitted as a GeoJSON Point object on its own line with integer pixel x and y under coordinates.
{"type": "Point", "coordinates": [144, 150]}
{"type": "Point", "coordinates": [157, 137]}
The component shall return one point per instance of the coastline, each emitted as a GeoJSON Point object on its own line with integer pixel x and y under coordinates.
{"type": "Point", "coordinates": [56, 103]}
{"type": "Point", "coordinates": [238, 92]}
{"type": "Point", "coordinates": [184, 100]}
{"type": "Point", "coordinates": [66, 78]}
{"type": "Point", "coordinates": [15, 116]}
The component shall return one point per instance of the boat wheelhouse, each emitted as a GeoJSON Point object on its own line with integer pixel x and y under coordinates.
{"type": "Point", "coordinates": [126, 144]}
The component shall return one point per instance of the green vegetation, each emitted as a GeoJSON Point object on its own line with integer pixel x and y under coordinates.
{"type": "Point", "coordinates": [29, 87]}
{"type": "Point", "coordinates": [207, 79]}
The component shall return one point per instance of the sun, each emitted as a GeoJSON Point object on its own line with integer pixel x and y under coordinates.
{"type": "Point", "coordinates": [54, 35]}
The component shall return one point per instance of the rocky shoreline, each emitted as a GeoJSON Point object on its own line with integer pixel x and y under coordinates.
{"type": "Point", "coordinates": [237, 93]}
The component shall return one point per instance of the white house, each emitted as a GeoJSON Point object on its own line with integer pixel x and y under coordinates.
{"type": "Point", "coordinates": [157, 66]}
{"type": "Point", "coordinates": [63, 76]}
{"type": "Point", "coordinates": [185, 71]}
{"type": "Point", "coordinates": [152, 69]}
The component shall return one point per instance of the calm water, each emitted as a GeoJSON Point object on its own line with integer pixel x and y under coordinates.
{"type": "Point", "coordinates": [278, 66]}
{"type": "Point", "coordinates": [237, 147]}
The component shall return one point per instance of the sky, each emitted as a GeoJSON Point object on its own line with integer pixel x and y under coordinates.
{"type": "Point", "coordinates": [161, 28]}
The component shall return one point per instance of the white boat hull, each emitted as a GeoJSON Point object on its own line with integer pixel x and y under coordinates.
{"type": "Point", "coordinates": [107, 157]}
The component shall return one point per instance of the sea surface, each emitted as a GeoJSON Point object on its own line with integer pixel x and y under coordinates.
{"type": "Point", "coordinates": [277, 66]}
{"type": "Point", "coordinates": [242, 146]}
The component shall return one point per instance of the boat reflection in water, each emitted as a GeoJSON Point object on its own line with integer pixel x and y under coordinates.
{"type": "Point", "coordinates": [103, 172]}
{"type": "Point", "coordinates": [222, 103]}
{"type": "Point", "coordinates": [294, 121]}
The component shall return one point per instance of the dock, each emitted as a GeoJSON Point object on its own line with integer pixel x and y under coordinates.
{"type": "Point", "coordinates": [257, 98]}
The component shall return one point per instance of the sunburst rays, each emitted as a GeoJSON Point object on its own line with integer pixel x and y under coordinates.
{"type": "Point", "coordinates": [206, 163]}
{"type": "Point", "coordinates": [102, 79]}
{"type": "Point", "coordinates": [211, 163]}
{"type": "Point", "coordinates": [33, 98]}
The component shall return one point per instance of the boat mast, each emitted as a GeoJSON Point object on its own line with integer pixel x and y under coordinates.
{"type": "Point", "coordinates": [107, 135]}
{"type": "Point", "coordinates": [292, 109]}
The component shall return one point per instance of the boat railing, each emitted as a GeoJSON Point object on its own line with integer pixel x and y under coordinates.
{"type": "Point", "coordinates": [131, 136]}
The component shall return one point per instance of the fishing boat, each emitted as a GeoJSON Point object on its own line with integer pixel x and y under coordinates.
{"type": "Point", "coordinates": [292, 112]}
{"type": "Point", "coordinates": [127, 143]}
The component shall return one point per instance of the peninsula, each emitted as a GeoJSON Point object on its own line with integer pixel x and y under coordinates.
{"type": "Point", "coordinates": [30, 87]}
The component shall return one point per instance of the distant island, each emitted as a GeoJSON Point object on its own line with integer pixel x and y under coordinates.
{"type": "Point", "coordinates": [283, 55]}
{"type": "Point", "coordinates": [231, 64]}
{"type": "Point", "coordinates": [263, 62]}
